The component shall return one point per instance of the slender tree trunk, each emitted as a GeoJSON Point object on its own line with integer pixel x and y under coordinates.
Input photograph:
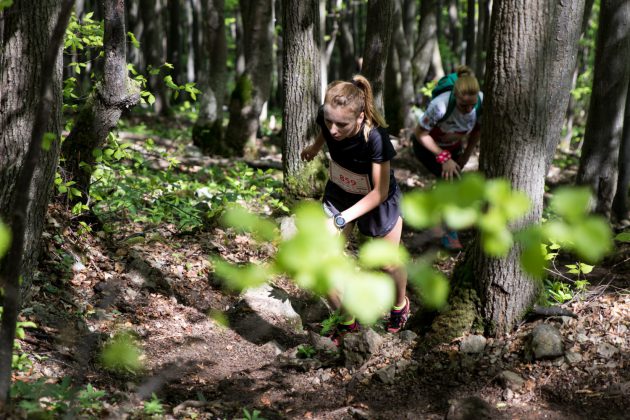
{"type": "Point", "coordinates": [377, 42]}
{"type": "Point", "coordinates": [173, 38]}
{"type": "Point", "coordinates": [404, 118]}
{"type": "Point", "coordinates": [455, 31]}
{"type": "Point", "coordinates": [153, 50]}
{"type": "Point", "coordinates": [253, 86]}
{"type": "Point", "coordinates": [598, 164]}
{"type": "Point", "coordinates": [208, 129]}
{"type": "Point", "coordinates": [391, 95]}
{"type": "Point", "coordinates": [532, 55]}
{"type": "Point", "coordinates": [41, 25]}
{"type": "Point", "coordinates": [302, 95]}
{"type": "Point", "coordinates": [346, 44]}
{"type": "Point", "coordinates": [620, 206]}
{"type": "Point", "coordinates": [427, 41]}
{"type": "Point", "coordinates": [103, 109]}
{"type": "Point", "coordinates": [470, 34]}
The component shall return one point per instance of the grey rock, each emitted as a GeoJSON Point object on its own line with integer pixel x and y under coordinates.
{"type": "Point", "coordinates": [273, 306]}
{"type": "Point", "coordinates": [288, 229]}
{"type": "Point", "coordinates": [607, 350]}
{"type": "Point", "coordinates": [572, 357]}
{"type": "Point", "coordinates": [473, 344]}
{"type": "Point", "coordinates": [387, 375]}
{"type": "Point", "coordinates": [357, 348]}
{"type": "Point", "coordinates": [321, 343]}
{"type": "Point", "coordinates": [545, 342]}
{"type": "Point", "coordinates": [511, 380]}
{"type": "Point", "coordinates": [273, 347]}
{"type": "Point", "coordinates": [407, 336]}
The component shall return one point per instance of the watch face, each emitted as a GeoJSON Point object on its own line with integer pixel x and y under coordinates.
{"type": "Point", "coordinates": [340, 221]}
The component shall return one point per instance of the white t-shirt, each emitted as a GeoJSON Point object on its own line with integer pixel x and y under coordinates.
{"type": "Point", "coordinates": [455, 123]}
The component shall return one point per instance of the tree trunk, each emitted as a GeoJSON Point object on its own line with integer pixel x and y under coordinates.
{"type": "Point", "coordinates": [252, 87]}
{"type": "Point", "coordinates": [173, 38]}
{"type": "Point", "coordinates": [391, 95]}
{"type": "Point", "coordinates": [406, 91]}
{"type": "Point", "coordinates": [377, 43]}
{"type": "Point", "coordinates": [21, 68]}
{"type": "Point", "coordinates": [302, 95]}
{"type": "Point", "coordinates": [153, 50]}
{"type": "Point", "coordinates": [620, 202]}
{"type": "Point", "coordinates": [470, 34]}
{"type": "Point", "coordinates": [31, 105]}
{"type": "Point", "coordinates": [598, 164]}
{"type": "Point", "coordinates": [346, 44]}
{"type": "Point", "coordinates": [105, 106]}
{"type": "Point", "coordinates": [208, 129]}
{"type": "Point", "coordinates": [454, 32]}
{"type": "Point", "coordinates": [532, 56]}
{"type": "Point", "coordinates": [483, 31]}
{"type": "Point", "coordinates": [427, 42]}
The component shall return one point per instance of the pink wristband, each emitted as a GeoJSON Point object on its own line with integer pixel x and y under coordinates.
{"type": "Point", "coordinates": [443, 156]}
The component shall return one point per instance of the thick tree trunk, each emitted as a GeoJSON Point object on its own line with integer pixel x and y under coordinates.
{"type": "Point", "coordinates": [105, 106]}
{"type": "Point", "coordinates": [532, 56]}
{"type": "Point", "coordinates": [34, 50]}
{"type": "Point", "coordinates": [598, 164]}
{"type": "Point", "coordinates": [391, 95]}
{"type": "Point", "coordinates": [26, 36]}
{"type": "Point", "coordinates": [302, 95]}
{"type": "Point", "coordinates": [208, 129]}
{"type": "Point", "coordinates": [252, 87]}
{"type": "Point", "coordinates": [377, 43]}
{"type": "Point", "coordinates": [173, 51]}
{"type": "Point", "coordinates": [427, 42]}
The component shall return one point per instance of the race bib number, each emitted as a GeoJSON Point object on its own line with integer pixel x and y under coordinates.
{"type": "Point", "coordinates": [349, 181]}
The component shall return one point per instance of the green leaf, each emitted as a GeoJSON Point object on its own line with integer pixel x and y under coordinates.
{"type": "Point", "coordinates": [571, 203]}
{"type": "Point", "coordinates": [533, 253]}
{"type": "Point", "coordinates": [367, 295]}
{"type": "Point", "coordinates": [133, 39]}
{"type": "Point", "coordinates": [623, 237]}
{"type": "Point", "coordinates": [240, 219]}
{"type": "Point", "coordinates": [585, 268]}
{"type": "Point", "coordinates": [432, 286]}
{"type": "Point", "coordinates": [381, 253]}
{"type": "Point", "coordinates": [4, 4]}
{"type": "Point", "coordinates": [592, 238]}
{"type": "Point", "coordinates": [419, 209]}
{"type": "Point", "coordinates": [5, 239]}
{"type": "Point", "coordinates": [459, 218]}
{"type": "Point", "coordinates": [497, 243]}
{"type": "Point", "coordinates": [240, 278]}
{"type": "Point", "coordinates": [121, 353]}
{"type": "Point", "coordinates": [48, 140]}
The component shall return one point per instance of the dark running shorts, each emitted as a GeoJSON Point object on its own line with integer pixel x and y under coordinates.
{"type": "Point", "coordinates": [376, 223]}
{"type": "Point", "coordinates": [427, 158]}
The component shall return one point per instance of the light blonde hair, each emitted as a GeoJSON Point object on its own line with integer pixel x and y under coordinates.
{"type": "Point", "coordinates": [357, 95]}
{"type": "Point", "coordinates": [466, 83]}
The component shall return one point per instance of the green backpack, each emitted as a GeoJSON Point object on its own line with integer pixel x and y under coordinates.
{"type": "Point", "coordinates": [446, 84]}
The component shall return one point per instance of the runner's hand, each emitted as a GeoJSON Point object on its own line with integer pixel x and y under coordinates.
{"type": "Point", "coordinates": [450, 170]}
{"type": "Point", "coordinates": [308, 153]}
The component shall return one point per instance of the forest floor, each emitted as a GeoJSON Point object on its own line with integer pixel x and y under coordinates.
{"type": "Point", "coordinates": [162, 291]}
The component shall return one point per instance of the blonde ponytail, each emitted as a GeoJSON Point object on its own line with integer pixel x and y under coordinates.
{"type": "Point", "coordinates": [466, 83]}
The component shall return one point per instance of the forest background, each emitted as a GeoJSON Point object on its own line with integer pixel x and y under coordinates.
{"type": "Point", "coordinates": [138, 83]}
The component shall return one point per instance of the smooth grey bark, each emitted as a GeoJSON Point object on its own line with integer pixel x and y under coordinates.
{"type": "Point", "coordinates": [483, 31]}
{"type": "Point", "coordinates": [391, 94]}
{"type": "Point", "coordinates": [302, 86]}
{"type": "Point", "coordinates": [427, 42]}
{"type": "Point", "coordinates": [34, 39]}
{"type": "Point", "coordinates": [208, 129]}
{"type": "Point", "coordinates": [620, 208]}
{"type": "Point", "coordinates": [455, 33]}
{"type": "Point", "coordinates": [253, 86]}
{"type": "Point", "coordinates": [377, 43]}
{"type": "Point", "coordinates": [173, 43]}
{"type": "Point", "coordinates": [602, 137]}
{"type": "Point", "coordinates": [113, 95]}
{"type": "Point", "coordinates": [532, 55]}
